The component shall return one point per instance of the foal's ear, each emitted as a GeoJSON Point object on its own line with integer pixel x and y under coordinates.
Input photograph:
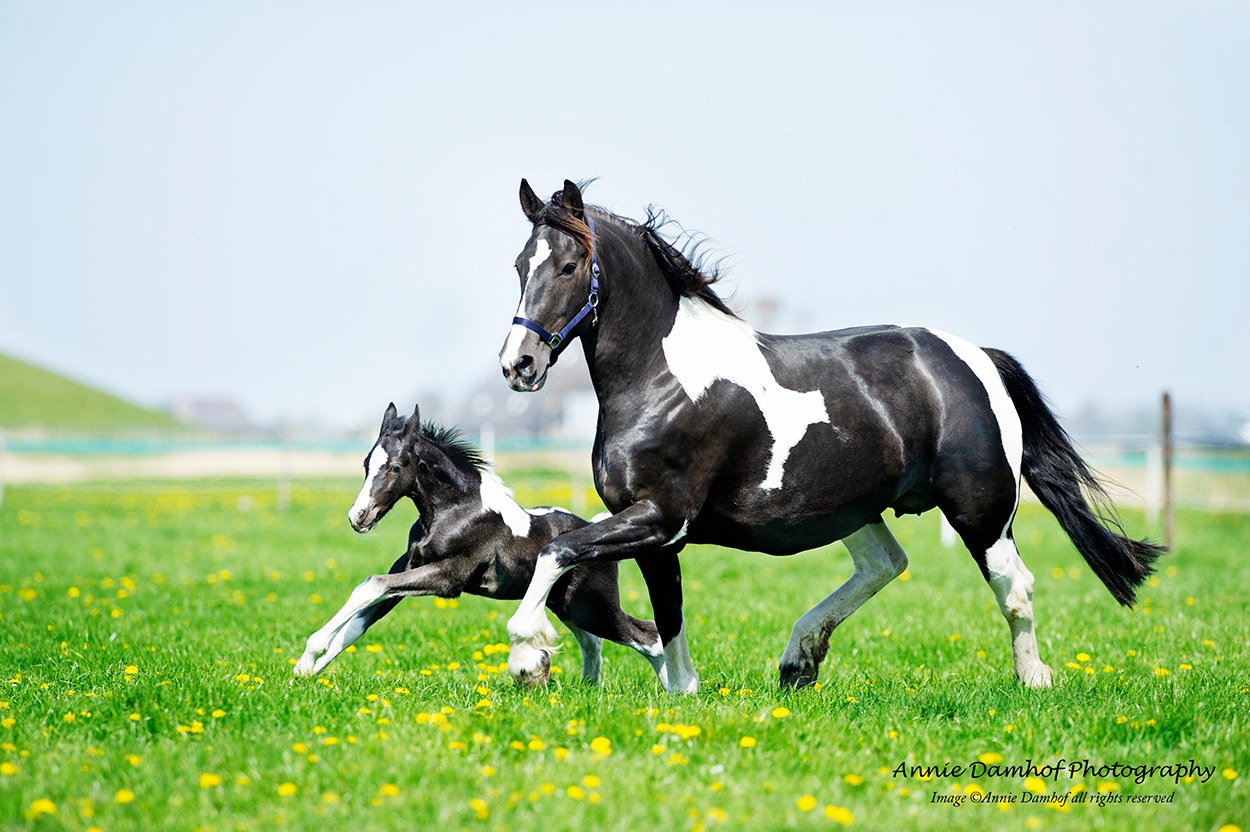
{"type": "Point", "coordinates": [572, 199]}
{"type": "Point", "coordinates": [388, 417]}
{"type": "Point", "coordinates": [414, 421]}
{"type": "Point", "coordinates": [530, 203]}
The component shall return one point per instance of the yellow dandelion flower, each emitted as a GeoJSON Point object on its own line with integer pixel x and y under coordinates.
{"type": "Point", "coordinates": [601, 746]}
{"type": "Point", "coordinates": [1082, 657]}
{"type": "Point", "coordinates": [839, 814]}
{"type": "Point", "coordinates": [780, 712]}
{"type": "Point", "coordinates": [1229, 773]}
{"type": "Point", "coordinates": [389, 790]}
{"type": "Point", "coordinates": [373, 648]}
{"type": "Point", "coordinates": [991, 758]}
{"type": "Point", "coordinates": [287, 790]}
{"type": "Point", "coordinates": [1106, 786]}
{"type": "Point", "coordinates": [806, 803]}
{"type": "Point", "coordinates": [853, 780]}
{"type": "Point", "coordinates": [8, 769]}
{"type": "Point", "coordinates": [658, 749]}
{"type": "Point", "coordinates": [133, 759]}
{"type": "Point", "coordinates": [209, 780]}
{"type": "Point", "coordinates": [218, 713]}
{"type": "Point", "coordinates": [41, 807]}
{"type": "Point", "coordinates": [479, 808]}
{"type": "Point", "coordinates": [575, 792]}
{"type": "Point", "coordinates": [1035, 784]}
{"type": "Point", "coordinates": [330, 798]}
{"type": "Point", "coordinates": [1230, 827]}
{"type": "Point", "coordinates": [124, 796]}
{"type": "Point", "coordinates": [535, 744]}
{"type": "Point", "coordinates": [747, 742]}
{"type": "Point", "coordinates": [591, 781]}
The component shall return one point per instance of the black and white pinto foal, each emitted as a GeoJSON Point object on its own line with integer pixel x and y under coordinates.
{"type": "Point", "coordinates": [471, 537]}
{"type": "Point", "coordinates": [711, 432]}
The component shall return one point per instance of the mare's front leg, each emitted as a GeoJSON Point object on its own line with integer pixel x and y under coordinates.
{"type": "Point", "coordinates": [634, 532]}
{"type": "Point", "coordinates": [663, 576]}
{"type": "Point", "coordinates": [325, 645]}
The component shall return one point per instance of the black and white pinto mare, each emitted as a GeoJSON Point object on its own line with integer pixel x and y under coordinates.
{"type": "Point", "coordinates": [471, 537]}
{"type": "Point", "coordinates": [711, 432]}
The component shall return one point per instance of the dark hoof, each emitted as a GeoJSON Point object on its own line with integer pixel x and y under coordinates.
{"type": "Point", "coordinates": [797, 676]}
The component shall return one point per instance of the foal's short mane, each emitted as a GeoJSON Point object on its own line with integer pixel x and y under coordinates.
{"type": "Point", "coordinates": [684, 266]}
{"type": "Point", "coordinates": [463, 454]}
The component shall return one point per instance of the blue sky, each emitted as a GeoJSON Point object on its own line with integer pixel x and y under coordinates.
{"type": "Point", "coordinates": [312, 207]}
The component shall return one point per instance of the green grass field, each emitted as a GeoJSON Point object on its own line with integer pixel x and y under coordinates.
{"type": "Point", "coordinates": [147, 633]}
{"type": "Point", "coordinates": [34, 397]}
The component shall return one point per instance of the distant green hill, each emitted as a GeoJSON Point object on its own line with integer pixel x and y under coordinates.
{"type": "Point", "coordinates": [31, 397]}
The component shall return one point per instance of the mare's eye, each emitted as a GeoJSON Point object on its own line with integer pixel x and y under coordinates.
{"type": "Point", "coordinates": [395, 469]}
{"type": "Point", "coordinates": [569, 268]}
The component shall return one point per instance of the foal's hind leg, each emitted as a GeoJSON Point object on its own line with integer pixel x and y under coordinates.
{"type": "Point", "coordinates": [878, 560]}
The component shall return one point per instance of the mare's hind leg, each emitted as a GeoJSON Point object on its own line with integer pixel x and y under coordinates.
{"type": "Point", "coordinates": [878, 560]}
{"type": "Point", "coordinates": [1012, 583]}
{"type": "Point", "coordinates": [988, 538]}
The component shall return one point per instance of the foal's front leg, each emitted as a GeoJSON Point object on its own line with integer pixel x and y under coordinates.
{"type": "Point", "coordinates": [445, 578]}
{"type": "Point", "coordinates": [324, 647]}
{"type": "Point", "coordinates": [629, 534]}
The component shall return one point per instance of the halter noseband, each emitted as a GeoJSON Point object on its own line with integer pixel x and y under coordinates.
{"type": "Point", "coordinates": [557, 341]}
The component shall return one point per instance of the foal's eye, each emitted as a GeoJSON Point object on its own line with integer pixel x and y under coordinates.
{"type": "Point", "coordinates": [395, 469]}
{"type": "Point", "coordinates": [569, 268]}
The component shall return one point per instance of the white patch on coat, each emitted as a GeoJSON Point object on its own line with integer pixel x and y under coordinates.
{"type": "Point", "coordinates": [512, 347]}
{"type": "Point", "coordinates": [544, 510]}
{"type": "Point", "coordinates": [373, 470]}
{"type": "Point", "coordinates": [1000, 401]}
{"type": "Point", "coordinates": [498, 498]}
{"type": "Point", "coordinates": [706, 345]}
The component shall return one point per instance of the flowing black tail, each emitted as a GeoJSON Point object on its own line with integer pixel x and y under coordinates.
{"type": "Point", "coordinates": [1072, 492]}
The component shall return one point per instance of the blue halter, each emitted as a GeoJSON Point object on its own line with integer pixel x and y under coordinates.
{"type": "Point", "coordinates": [557, 341]}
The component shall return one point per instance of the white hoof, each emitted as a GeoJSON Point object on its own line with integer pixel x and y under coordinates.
{"type": "Point", "coordinates": [529, 666]}
{"type": "Point", "coordinates": [1037, 677]}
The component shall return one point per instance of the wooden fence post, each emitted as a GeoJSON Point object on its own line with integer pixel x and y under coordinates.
{"type": "Point", "coordinates": [1167, 470]}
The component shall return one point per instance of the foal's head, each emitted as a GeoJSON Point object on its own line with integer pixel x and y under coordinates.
{"type": "Point", "coordinates": [555, 272]}
{"type": "Point", "coordinates": [427, 463]}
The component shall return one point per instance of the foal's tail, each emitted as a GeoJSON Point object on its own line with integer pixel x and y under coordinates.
{"type": "Point", "coordinates": [1072, 492]}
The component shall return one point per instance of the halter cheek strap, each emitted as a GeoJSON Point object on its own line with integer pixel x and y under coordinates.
{"type": "Point", "coordinates": [559, 340]}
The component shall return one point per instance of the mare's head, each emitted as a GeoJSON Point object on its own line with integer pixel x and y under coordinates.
{"type": "Point", "coordinates": [557, 291]}
{"type": "Point", "coordinates": [428, 463]}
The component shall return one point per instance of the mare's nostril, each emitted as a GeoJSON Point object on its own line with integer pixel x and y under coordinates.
{"type": "Point", "coordinates": [523, 364]}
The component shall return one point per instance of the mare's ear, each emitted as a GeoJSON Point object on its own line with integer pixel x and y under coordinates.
{"type": "Point", "coordinates": [530, 203]}
{"type": "Point", "coordinates": [571, 197]}
{"type": "Point", "coordinates": [388, 417]}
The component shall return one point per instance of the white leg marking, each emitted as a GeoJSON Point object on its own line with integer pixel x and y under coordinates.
{"type": "Point", "coordinates": [1012, 583]}
{"type": "Point", "coordinates": [364, 596]}
{"type": "Point", "coordinates": [361, 512]}
{"type": "Point", "coordinates": [592, 653]}
{"type": "Point", "coordinates": [531, 635]}
{"type": "Point", "coordinates": [1000, 401]}
{"type": "Point", "coordinates": [498, 498]}
{"type": "Point", "coordinates": [878, 560]}
{"type": "Point", "coordinates": [682, 677]}
{"type": "Point", "coordinates": [654, 653]}
{"type": "Point", "coordinates": [706, 345]}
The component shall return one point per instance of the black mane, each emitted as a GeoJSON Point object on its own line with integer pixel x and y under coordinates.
{"type": "Point", "coordinates": [682, 263]}
{"type": "Point", "coordinates": [459, 450]}
{"type": "Point", "coordinates": [463, 453]}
